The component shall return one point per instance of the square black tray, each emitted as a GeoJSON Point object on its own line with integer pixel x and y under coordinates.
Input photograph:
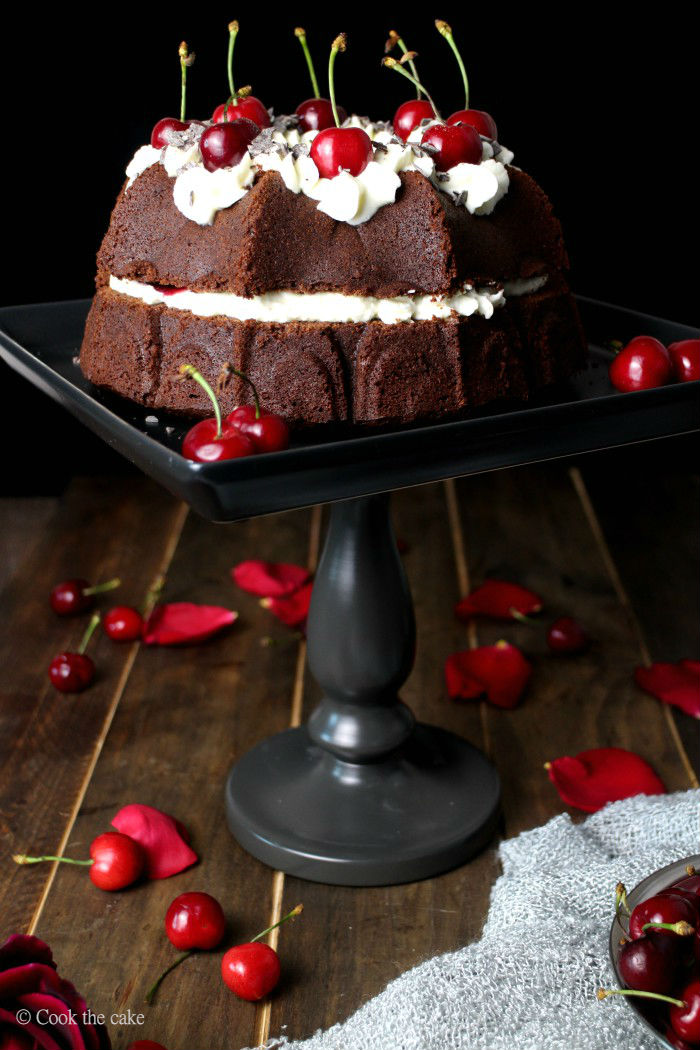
{"type": "Point", "coordinates": [41, 342]}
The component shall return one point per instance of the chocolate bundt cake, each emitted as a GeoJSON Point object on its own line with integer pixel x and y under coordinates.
{"type": "Point", "coordinates": [402, 293]}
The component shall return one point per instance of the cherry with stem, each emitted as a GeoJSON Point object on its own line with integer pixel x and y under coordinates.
{"type": "Point", "coordinates": [209, 441]}
{"type": "Point", "coordinates": [72, 672]}
{"type": "Point", "coordinates": [116, 861]}
{"type": "Point", "coordinates": [399, 66]}
{"type": "Point", "coordinates": [267, 430]}
{"type": "Point", "coordinates": [565, 635]}
{"type": "Point", "coordinates": [193, 922]}
{"type": "Point", "coordinates": [240, 103]}
{"type": "Point", "coordinates": [315, 114]}
{"type": "Point", "coordinates": [476, 118]}
{"type": "Point", "coordinates": [124, 623]}
{"type": "Point", "coordinates": [252, 970]}
{"type": "Point", "coordinates": [337, 149]}
{"type": "Point", "coordinates": [160, 136]}
{"type": "Point", "coordinates": [77, 595]}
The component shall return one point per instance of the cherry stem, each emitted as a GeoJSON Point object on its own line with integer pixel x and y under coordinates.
{"type": "Point", "coordinates": [190, 372]}
{"type": "Point", "coordinates": [232, 34]}
{"type": "Point", "coordinates": [21, 858]}
{"type": "Point", "coordinates": [152, 595]}
{"type": "Point", "coordinates": [186, 59]}
{"type": "Point", "coordinates": [339, 44]}
{"type": "Point", "coordinates": [621, 899]}
{"type": "Point", "coordinates": [391, 63]}
{"type": "Point", "coordinates": [290, 915]}
{"type": "Point", "coordinates": [445, 30]}
{"type": "Point", "coordinates": [89, 631]}
{"type": "Point", "coordinates": [151, 993]}
{"type": "Point", "coordinates": [682, 928]}
{"type": "Point", "coordinates": [300, 34]}
{"type": "Point", "coordinates": [247, 379]}
{"type": "Point", "coordinates": [603, 993]}
{"type": "Point", "coordinates": [101, 588]}
{"type": "Point", "coordinates": [395, 39]}
{"type": "Point", "coordinates": [232, 100]}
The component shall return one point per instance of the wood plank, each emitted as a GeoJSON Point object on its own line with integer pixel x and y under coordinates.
{"type": "Point", "coordinates": [49, 739]}
{"type": "Point", "coordinates": [22, 524]}
{"type": "Point", "coordinates": [528, 525]}
{"type": "Point", "coordinates": [185, 716]}
{"type": "Point", "coordinates": [649, 514]}
{"type": "Point", "coordinates": [366, 937]}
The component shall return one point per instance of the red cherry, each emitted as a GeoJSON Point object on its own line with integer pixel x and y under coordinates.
{"type": "Point", "coordinates": [685, 1020]}
{"type": "Point", "coordinates": [195, 920]}
{"type": "Point", "coordinates": [203, 446]}
{"type": "Point", "coordinates": [664, 907]}
{"type": "Point", "coordinates": [69, 597]}
{"type": "Point", "coordinates": [341, 149]}
{"type": "Point", "coordinates": [456, 144]}
{"type": "Point", "coordinates": [476, 118]}
{"type": "Point", "coordinates": [566, 635]}
{"type": "Point", "coordinates": [649, 963]}
{"type": "Point", "coordinates": [316, 114]}
{"type": "Point", "coordinates": [71, 672]}
{"type": "Point", "coordinates": [251, 970]}
{"type": "Point", "coordinates": [250, 107]}
{"type": "Point", "coordinates": [644, 363]}
{"type": "Point", "coordinates": [224, 145]}
{"type": "Point", "coordinates": [159, 135]}
{"type": "Point", "coordinates": [268, 432]}
{"type": "Point", "coordinates": [118, 861]}
{"type": "Point", "coordinates": [123, 624]}
{"type": "Point", "coordinates": [409, 115]}
{"type": "Point", "coordinates": [685, 358]}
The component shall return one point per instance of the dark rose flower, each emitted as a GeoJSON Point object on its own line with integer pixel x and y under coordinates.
{"type": "Point", "coordinates": [38, 1009]}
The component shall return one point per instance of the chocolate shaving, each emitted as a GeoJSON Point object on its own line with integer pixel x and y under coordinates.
{"type": "Point", "coordinates": [380, 146]}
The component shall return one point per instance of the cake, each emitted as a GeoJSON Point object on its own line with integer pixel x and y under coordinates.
{"type": "Point", "coordinates": [399, 294]}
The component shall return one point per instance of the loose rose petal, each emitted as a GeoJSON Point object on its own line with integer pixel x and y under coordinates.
{"type": "Point", "coordinates": [181, 622]}
{"type": "Point", "coordinates": [500, 671]}
{"type": "Point", "coordinates": [292, 610]}
{"type": "Point", "coordinates": [677, 684]}
{"type": "Point", "coordinates": [591, 779]}
{"type": "Point", "coordinates": [163, 838]}
{"type": "Point", "coordinates": [496, 598]}
{"type": "Point", "coordinates": [269, 579]}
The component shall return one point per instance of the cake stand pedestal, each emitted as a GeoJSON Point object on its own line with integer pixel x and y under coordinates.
{"type": "Point", "coordinates": [362, 795]}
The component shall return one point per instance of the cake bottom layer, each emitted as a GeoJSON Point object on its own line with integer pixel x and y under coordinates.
{"type": "Point", "coordinates": [312, 372]}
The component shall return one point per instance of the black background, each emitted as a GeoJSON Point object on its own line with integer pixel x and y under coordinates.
{"type": "Point", "coordinates": [601, 112]}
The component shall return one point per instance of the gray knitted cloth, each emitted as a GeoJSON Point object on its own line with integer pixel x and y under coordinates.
{"type": "Point", "coordinates": [530, 982]}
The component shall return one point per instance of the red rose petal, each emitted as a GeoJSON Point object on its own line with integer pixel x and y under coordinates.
{"type": "Point", "coordinates": [677, 684]}
{"type": "Point", "coordinates": [500, 671]}
{"type": "Point", "coordinates": [591, 779]}
{"type": "Point", "coordinates": [292, 610]}
{"type": "Point", "coordinates": [181, 622]}
{"type": "Point", "coordinates": [496, 598]}
{"type": "Point", "coordinates": [269, 579]}
{"type": "Point", "coordinates": [161, 836]}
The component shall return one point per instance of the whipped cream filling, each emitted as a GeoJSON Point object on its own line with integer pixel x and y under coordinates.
{"type": "Point", "coordinates": [330, 307]}
{"type": "Point", "coordinates": [199, 194]}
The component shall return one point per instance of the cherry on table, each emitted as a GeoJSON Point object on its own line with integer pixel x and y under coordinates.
{"type": "Point", "coordinates": [123, 624]}
{"type": "Point", "coordinates": [195, 920]}
{"type": "Point", "coordinates": [316, 114]}
{"type": "Point", "coordinates": [77, 595]}
{"type": "Point", "coordinates": [252, 970]}
{"type": "Point", "coordinates": [641, 365]}
{"type": "Point", "coordinates": [341, 149]}
{"type": "Point", "coordinates": [248, 108]}
{"type": "Point", "coordinates": [566, 635]}
{"type": "Point", "coordinates": [685, 358]}
{"type": "Point", "coordinates": [409, 115]}
{"type": "Point", "coordinates": [477, 118]}
{"type": "Point", "coordinates": [225, 144]}
{"type": "Point", "coordinates": [71, 672]}
{"type": "Point", "coordinates": [118, 861]}
{"type": "Point", "coordinates": [453, 144]}
{"type": "Point", "coordinates": [160, 136]}
{"type": "Point", "coordinates": [267, 430]}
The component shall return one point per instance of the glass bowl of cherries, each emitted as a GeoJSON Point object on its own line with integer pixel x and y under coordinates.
{"type": "Point", "coordinates": [655, 952]}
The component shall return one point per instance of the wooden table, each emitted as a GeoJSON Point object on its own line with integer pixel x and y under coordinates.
{"type": "Point", "coordinates": [615, 546]}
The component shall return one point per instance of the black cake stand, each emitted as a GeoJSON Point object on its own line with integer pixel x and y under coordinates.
{"type": "Point", "coordinates": [361, 795]}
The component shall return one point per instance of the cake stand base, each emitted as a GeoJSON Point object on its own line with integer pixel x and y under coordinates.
{"type": "Point", "coordinates": [420, 811]}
